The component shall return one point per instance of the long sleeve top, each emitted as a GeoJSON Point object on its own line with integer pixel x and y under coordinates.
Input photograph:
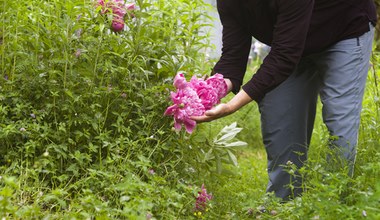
{"type": "Point", "coordinates": [293, 29]}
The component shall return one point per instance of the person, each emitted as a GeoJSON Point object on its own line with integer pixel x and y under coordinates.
{"type": "Point", "coordinates": [318, 47]}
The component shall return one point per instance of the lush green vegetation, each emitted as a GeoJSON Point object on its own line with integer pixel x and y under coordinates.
{"type": "Point", "coordinates": [82, 132]}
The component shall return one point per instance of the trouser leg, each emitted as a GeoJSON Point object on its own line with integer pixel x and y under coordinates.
{"type": "Point", "coordinates": [287, 119]}
{"type": "Point", "coordinates": [344, 68]}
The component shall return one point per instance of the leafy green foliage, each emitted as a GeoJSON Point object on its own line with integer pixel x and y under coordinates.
{"type": "Point", "coordinates": [81, 111]}
{"type": "Point", "coordinates": [211, 152]}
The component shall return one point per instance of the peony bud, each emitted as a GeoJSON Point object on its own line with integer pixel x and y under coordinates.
{"type": "Point", "coordinates": [117, 26]}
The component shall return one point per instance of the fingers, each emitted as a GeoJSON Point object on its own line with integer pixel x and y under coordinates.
{"type": "Point", "coordinates": [215, 113]}
{"type": "Point", "coordinates": [204, 118]}
{"type": "Point", "coordinates": [200, 119]}
{"type": "Point", "coordinates": [224, 109]}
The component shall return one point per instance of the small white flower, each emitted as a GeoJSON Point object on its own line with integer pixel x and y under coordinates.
{"type": "Point", "coordinates": [22, 129]}
{"type": "Point", "coordinates": [46, 153]}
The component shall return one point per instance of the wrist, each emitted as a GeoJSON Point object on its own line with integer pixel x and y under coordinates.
{"type": "Point", "coordinates": [229, 84]}
{"type": "Point", "coordinates": [238, 101]}
{"type": "Point", "coordinates": [230, 108]}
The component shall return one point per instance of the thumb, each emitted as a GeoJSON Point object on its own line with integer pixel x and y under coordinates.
{"type": "Point", "coordinates": [211, 112]}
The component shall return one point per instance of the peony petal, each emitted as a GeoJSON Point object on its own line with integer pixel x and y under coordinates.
{"type": "Point", "coordinates": [170, 110]}
{"type": "Point", "coordinates": [180, 81]}
{"type": "Point", "coordinates": [190, 125]}
{"type": "Point", "coordinates": [177, 125]}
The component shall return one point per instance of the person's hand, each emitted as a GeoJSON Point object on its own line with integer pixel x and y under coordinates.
{"type": "Point", "coordinates": [221, 110]}
{"type": "Point", "coordinates": [218, 111]}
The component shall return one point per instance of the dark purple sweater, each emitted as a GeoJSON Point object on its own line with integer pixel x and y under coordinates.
{"type": "Point", "coordinates": [293, 29]}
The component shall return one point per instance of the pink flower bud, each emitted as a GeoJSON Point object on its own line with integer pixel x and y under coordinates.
{"type": "Point", "coordinates": [130, 6]}
{"type": "Point", "coordinates": [117, 25]}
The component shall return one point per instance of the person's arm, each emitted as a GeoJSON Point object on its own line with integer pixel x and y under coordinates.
{"type": "Point", "coordinates": [289, 37]}
{"type": "Point", "coordinates": [290, 32]}
{"type": "Point", "coordinates": [236, 43]}
{"type": "Point", "coordinates": [233, 62]}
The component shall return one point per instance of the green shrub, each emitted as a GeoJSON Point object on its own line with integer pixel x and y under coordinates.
{"type": "Point", "coordinates": [81, 112]}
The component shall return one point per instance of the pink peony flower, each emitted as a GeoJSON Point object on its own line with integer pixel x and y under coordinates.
{"type": "Point", "coordinates": [180, 81]}
{"type": "Point", "coordinates": [117, 25]}
{"type": "Point", "coordinates": [206, 93]}
{"type": "Point", "coordinates": [186, 104]}
{"type": "Point", "coordinates": [130, 6]}
{"type": "Point", "coordinates": [194, 98]}
{"type": "Point", "coordinates": [100, 3]}
{"type": "Point", "coordinates": [217, 82]}
{"type": "Point", "coordinates": [119, 8]}
{"type": "Point", "coordinates": [103, 5]}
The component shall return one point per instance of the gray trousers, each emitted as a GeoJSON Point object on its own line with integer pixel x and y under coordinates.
{"type": "Point", "coordinates": [338, 75]}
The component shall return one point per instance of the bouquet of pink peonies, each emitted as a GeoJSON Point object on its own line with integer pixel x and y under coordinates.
{"type": "Point", "coordinates": [119, 8]}
{"type": "Point", "coordinates": [194, 98]}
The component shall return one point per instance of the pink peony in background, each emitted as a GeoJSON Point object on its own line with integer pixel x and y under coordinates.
{"type": "Point", "coordinates": [117, 25]}
{"type": "Point", "coordinates": [119, 8]}
{"type": "Point", "coordinates": [194, 98]}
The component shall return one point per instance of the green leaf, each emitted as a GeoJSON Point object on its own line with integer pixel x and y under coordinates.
{"type": "Point", "coordinates": [229, 136]}
{"type": "Point", "coordinates": [208, 155]}
{"type": "Point", "coordinates": [227, 133]}
{"type": "Point", "coordinates": [235, 144]}
{"type": "Point", "coordinates": [232, 157]}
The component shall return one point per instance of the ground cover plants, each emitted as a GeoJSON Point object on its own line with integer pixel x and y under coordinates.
{"type": "Point", "coordinates": [83, 133]}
